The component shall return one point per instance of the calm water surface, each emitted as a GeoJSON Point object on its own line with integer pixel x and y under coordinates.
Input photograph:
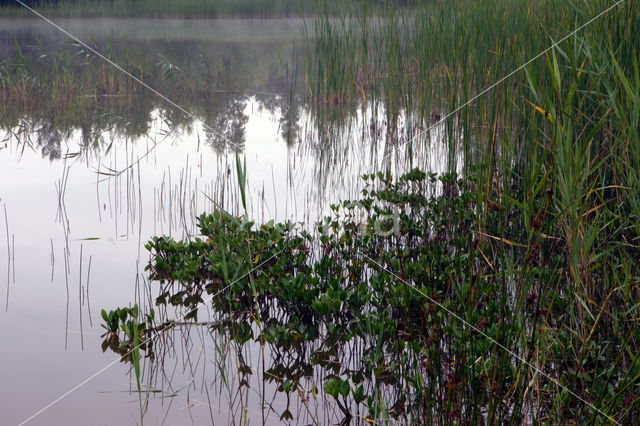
{"type": "Point", "coordinates": [84, 191]}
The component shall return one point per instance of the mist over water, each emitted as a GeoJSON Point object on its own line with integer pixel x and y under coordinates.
{"type": "Point", "coordinates": [89, 173]}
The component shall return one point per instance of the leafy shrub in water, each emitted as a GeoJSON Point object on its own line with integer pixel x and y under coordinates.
{"type": "Point", "coordinates": [322, 298]}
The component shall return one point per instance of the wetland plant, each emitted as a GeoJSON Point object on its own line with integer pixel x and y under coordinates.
{"type": "Point", "coordinates": [361, 311]}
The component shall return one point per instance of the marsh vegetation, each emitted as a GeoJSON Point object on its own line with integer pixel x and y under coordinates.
{"type": "Point", "coordinates": [463, 240]}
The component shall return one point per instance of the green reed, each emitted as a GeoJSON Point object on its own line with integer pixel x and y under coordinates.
{"type": "Point", "coordinates": [554, 149]}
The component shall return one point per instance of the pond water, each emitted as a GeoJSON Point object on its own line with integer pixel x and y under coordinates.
{"type": "Point", "coordinates": [84, 183]}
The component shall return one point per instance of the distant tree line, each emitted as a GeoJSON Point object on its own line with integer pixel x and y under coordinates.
{"type": "Point", "coordinates": [53, 2]}
{"type": "Point", "coordinates": [27, 2]}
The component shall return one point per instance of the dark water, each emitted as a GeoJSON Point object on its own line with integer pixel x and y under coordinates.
{"type": "Point", "coordinates": [87, 182]}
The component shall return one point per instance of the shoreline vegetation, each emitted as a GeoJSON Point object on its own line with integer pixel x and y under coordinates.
{"type": "Point", "coordinates": [159, 8]}
{"type": "Point", "coordinates": [51, 88]}
{"type": "Point", "coordinates": [193, 8]}
{"type": "Point", "coordinates": [404, 285]}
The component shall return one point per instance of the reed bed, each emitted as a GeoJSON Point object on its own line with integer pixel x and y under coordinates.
{"type": "Point", "coordinates": [551, 155]}
{"type": "Point", "coordinates": [51, 90]}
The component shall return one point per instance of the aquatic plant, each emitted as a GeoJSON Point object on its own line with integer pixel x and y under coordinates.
{"type": "Point", "coordinates": [355, 291]}
{"type": "Point", "coordinates": [126, 335]}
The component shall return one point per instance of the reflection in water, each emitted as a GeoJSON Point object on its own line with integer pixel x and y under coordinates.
{"type": "Point", "coordinates": [53, 88]}
{"type": "Point", "coordinates": [308, 317]}
{"type": "Point", "coordinates": [93, 166]}
{"type": "Point", "coordinates": [11, 256]}
{"type": "Point", "coordinates": [225, 127]}
{"type": "Point", "coordinates": [61, 87]}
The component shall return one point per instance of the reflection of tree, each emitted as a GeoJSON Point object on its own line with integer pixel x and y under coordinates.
{"type": "Point", "coordinates": [225, 123]}
{"type": "Point", "coordinates": [215, 82]}
{"type": "Point", "coordinates": [50, 140]}
{"type": "Point", "coordinates": [290, 122]}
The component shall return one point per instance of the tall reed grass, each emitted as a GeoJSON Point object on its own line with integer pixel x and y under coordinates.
{"type": "Point", "coordinates": [554, 150]}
